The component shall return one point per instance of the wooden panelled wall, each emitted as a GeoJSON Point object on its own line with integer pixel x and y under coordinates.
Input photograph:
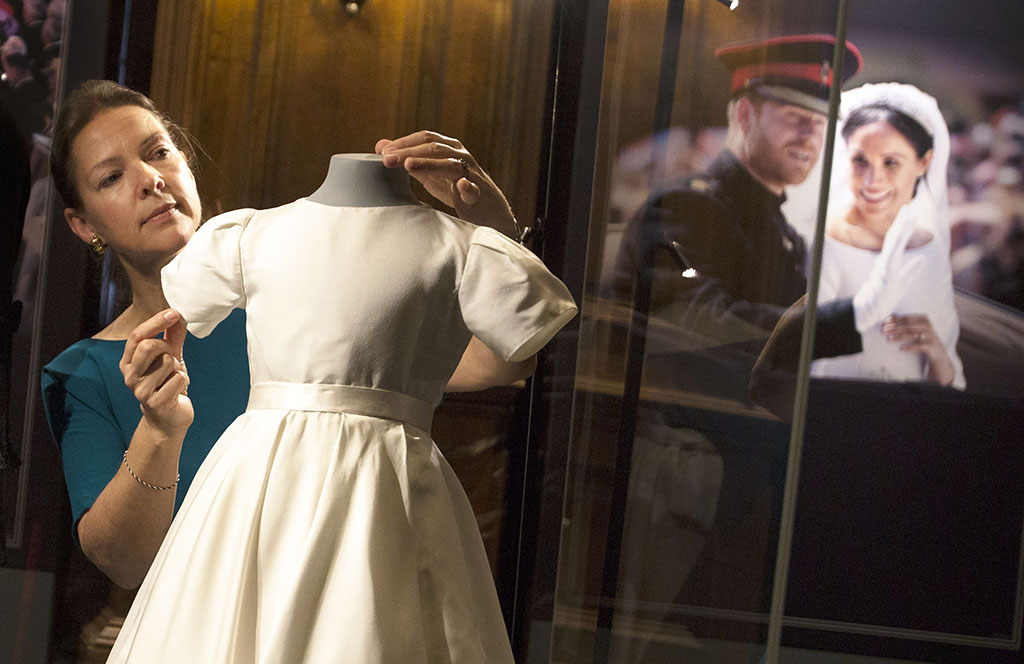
{"type": "Point", "coordinates": [272, 89]}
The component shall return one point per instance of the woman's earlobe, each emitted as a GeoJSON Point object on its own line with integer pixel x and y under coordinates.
{"type": "Point", "coordinates": [76, 222]}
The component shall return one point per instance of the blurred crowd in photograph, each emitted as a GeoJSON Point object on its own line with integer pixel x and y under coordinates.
{"type": "Point", "coordinates": [30, 59]}
{"type": "Point", "coordinates": [986, 178]}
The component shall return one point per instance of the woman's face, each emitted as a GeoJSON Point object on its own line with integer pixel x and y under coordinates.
{"type": "Point", "coordinates": [137, 192]}
{"type": "Point", "coordinates": [884, 170]}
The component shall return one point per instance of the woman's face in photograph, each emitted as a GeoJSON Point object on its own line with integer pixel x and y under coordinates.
{"type": "Point", "coordinates": [136, 188]}
{"type": "Point", "coordinates": [884, 170]}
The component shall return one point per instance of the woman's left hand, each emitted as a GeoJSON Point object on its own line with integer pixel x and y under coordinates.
{"type": "Point", "coordinates": [449, 173]}
{"type": "Point", "coordinates": [914, 333]}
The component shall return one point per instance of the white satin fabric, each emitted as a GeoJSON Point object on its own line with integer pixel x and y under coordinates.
{"type": "Point", "coordinates": [325, 525]}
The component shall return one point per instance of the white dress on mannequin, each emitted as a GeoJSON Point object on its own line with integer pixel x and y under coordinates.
{"type": "Point", "coordinates": [325, 526]}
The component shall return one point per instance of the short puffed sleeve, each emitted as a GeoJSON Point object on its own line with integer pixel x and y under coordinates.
{"type": "Point", "coordinates": [509, 299]}
{"type": "Point", "coordinates": [204, 282]}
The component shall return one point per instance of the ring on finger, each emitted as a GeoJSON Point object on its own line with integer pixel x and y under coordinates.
{"type": "Point", "coordinates": [465, 167]}
{"type": "Point", "coordinates": [920, 337]}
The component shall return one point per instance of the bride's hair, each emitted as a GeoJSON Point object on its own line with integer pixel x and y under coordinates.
{"type": "Point", "coordinates": [908, 127]}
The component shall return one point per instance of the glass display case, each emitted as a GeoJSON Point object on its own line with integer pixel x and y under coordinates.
{"type": "Point", "coordinates": [747, 475]}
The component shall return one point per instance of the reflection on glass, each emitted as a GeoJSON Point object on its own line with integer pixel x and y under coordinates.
{"type": "Point", "coordinates": [30, 61]}
{"type": "Point", "coordinates": [30, 58]}
{"type": "Point", "coordinates": [675, 489]}
{"type": "Point", "coordinates": [700, 246]}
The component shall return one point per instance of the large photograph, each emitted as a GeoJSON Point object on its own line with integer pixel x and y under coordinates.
{"type": "Point", "coordinates": [708, 253]}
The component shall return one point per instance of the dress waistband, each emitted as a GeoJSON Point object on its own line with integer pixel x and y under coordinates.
{"type": "Point", "coordinates": [368, 401]}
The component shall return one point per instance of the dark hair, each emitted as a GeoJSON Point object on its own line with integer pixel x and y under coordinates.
{"type": "Point", "coordinates": [84, 104]}
{"type": "Point", "coordinates": [908, 127]}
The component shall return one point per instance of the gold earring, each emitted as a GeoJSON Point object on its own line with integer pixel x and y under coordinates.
{"type": "Point", "coordinates": [98, 245]}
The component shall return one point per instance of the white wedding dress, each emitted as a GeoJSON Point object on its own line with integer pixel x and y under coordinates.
{"type": "Point", "coordinates": [930, 292]}
{"type": "Point", "coordinates": [325, 526]}
{"type": "Point", "coordinates": [845, 268]}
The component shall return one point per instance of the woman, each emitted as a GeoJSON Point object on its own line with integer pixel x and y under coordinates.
{"type": "Point", "coordinates": [123, 170]}
{"type": "Point", "coordinates": [888, 226]}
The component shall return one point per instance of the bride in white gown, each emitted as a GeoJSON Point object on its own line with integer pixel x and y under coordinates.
{"type": "Point", "coordinates": [888, 222]}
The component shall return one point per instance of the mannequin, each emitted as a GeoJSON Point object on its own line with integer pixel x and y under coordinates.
{"type": "Point", "coordinates": [325, 525]}
{"type": "Point", "coordinates": [362, 180]}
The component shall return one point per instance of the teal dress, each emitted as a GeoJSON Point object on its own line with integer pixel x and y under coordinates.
{"type": "Point", "coordinates": [93, 415]}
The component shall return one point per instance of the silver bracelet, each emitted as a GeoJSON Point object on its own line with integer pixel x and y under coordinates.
{"type": "Point", "coordinates": [144, 482]}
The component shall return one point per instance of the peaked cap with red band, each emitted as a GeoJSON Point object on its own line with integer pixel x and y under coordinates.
{"type": "Point", "coordinates": [796, 69]}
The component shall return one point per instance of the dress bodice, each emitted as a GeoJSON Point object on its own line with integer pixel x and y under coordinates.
{"type": "Point", "coordinates": [382, 297]}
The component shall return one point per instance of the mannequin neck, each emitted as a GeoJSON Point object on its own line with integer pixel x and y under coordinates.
{"type": "Point", "coordinates": [362, 180]}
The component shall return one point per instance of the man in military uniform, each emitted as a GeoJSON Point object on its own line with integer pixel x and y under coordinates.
{"type": "Point", "coordinates": [724, 262]}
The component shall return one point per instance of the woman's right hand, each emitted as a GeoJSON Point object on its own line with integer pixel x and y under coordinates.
{"type": "Point", "coordinates": [154, 371]}
{"type": "Point", "coordinates": [450, 173]}
{"type": "Point", "coordinates": [122, 531]}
